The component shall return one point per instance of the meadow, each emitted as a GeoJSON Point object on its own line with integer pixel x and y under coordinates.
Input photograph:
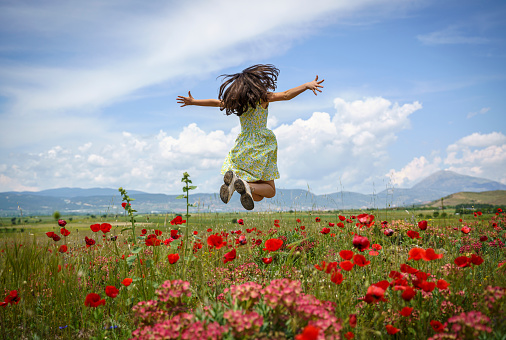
{"type": "Point", "coordinates": [382, 274]}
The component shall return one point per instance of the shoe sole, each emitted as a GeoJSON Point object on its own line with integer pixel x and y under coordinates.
{"type": "Point", "coordinates": [246, 199]}
{"type": "Point", "coordinates": [227, 189]}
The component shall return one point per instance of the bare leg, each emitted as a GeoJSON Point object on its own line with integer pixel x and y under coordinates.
{"type": "Point", "coordinates": [261, 189]}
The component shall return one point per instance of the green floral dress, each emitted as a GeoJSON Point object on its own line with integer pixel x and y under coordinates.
{"type": "Point", "coordinates": [255, 153]}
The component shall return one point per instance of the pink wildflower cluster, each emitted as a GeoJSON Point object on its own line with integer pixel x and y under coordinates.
{"type": "Point", "coordinates": [282, 291]}
{"type": "Point", "coordinates": [245, 295]}
{"type": "Point", "coordinates": [243, 324]}
{"type": "Point", "coordinates": [465, 326]}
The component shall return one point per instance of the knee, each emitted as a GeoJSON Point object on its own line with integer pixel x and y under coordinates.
{"type": "Point", "coordinates": [257, 198]}
{"type": "Point", "coordinates": [272, 193]}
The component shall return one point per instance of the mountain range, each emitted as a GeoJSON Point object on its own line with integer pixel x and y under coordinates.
{"type": "Point", "coordinates": [107, 201]}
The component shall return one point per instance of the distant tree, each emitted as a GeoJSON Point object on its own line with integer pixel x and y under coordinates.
{"type": "Point", "coordinates": [13, 220]}
{"type": "Point", "coordinates": [56, 215]}
{"type": "Point", "coordinates": [443, 214]}
{"type": "Point", "coordinates": [435, 214]}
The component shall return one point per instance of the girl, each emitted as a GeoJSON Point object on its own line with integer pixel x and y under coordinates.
{"type": "Point", "coordinates": [251, 166]}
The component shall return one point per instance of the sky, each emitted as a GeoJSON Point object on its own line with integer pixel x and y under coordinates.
{"type": "Point", "coordinates": [88, 91]}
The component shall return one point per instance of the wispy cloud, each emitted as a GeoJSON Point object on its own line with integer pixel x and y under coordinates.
{"type": "Point", "coordinates": [482, 111]}
{"type": "Point", "coordinates": [451, 35]}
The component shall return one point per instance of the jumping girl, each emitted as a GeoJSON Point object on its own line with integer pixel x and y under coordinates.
{"type": "Point", "coordinates": [250, 168]}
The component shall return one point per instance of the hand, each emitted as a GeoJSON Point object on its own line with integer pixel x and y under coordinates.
{"type": "Point", "coordinates": [186, 100]}
{"type": "Point", "coordinates": [314, 85]}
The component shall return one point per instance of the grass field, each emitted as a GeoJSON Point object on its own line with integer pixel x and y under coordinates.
{"type": "Point", "coordinates": [300, 275]}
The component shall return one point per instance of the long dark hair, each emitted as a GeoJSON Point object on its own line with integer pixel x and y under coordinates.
{"type": "Point", "coordinates": [243, 90]}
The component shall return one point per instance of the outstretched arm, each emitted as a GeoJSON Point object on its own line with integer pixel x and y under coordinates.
{"type": "Point", "coordinates": [199, 102]}
{"type": "Point", "coordinates": [292, 93]}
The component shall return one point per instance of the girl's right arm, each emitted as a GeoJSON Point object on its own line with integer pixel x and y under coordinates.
{"type": "Point", "coordinates": [292, 93]}
{"type": "Point", "coordinates": [199, 102]}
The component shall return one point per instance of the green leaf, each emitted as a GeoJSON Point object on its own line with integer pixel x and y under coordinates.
{"type": "Point", "coordinates": [185, 189]}
{"type": "Point", "coordinates": [131, 260]}
{"type": "Point", "coordinates": [129, 228]}
{"type": "Point", "coordinates": [180, 196]}
{"type": "Point", "coordinates": [136, 249]}
{"type": "Point", "coordinates": [192, 187]}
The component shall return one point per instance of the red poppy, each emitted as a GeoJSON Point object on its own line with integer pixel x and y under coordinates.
{"type": "Point", "coordinates": [322, 267]}
{"type": "Point", "coordinates": [360, 260]}
{"type": "Point", "coordinates": [50, 234]}
{"type": "Point", "coordinates": [346, 254]}
{"type": "Point", "coordinates": [143, 232]}
{"type": "Point", "coordinates": [158, 232]}
{"type": "Point", "coordinates": [64, 232]}
{"type": "Point", "coordinates": [408, 294]}
{"type": "Point", "coordinates": [63, 248]}
{"type": "Point", "coordinates": [476, 260]}
{"type": "Point", "coordinates": [465, 230]}
{"type": "Point", "coordinates": [174, 234]}
{"type": "Point", "coordinates": [240, 221]}
{"type": "Point", "coordinates": [298, 220]}
{"type": "Point", "coordinates": [195, 232]}
{"type": "Point", "coordinates": [442, 284]}
{"type": "Point", "coordinates": [173, 258]}
{"type": "Point", "coordinates": [317, 219]}
{"type": "Point", "coordinates": [430, 255]}
{"type": "Point", "coordinates": [62, 223]}
{"type": "Point", "coordinates": [13, 298]}
{"type": "Point", "coordinates": [499, 210]}
{"type": "Point", "coordinates": [105, 227]}
{"type": "Point", "coordinates": [413, 234]}
{"type": "Point", "coordinates": [95, 227]}
{"type": "Point", "coordinates": [89, 241]}
{"type": "Point", "coordinates": [177, 220]}
{"type": "Point", "coordinates": [416, 254]}
{"type": "Point", "coordinates": [325, 230]}
{"type": "Point", "coordinates": [374, 294]}
{"type": "Point", "coordinates": [93, 300]}
{"type": "Point", "coordinates": [353, 320]}
{"type": "Point", "coordinates": [388, 232]}
{"type": "Point", "coordinates": [406, 311]}
{"type": "Point", "coordinates": [346, 265]}
{"type": "Point", "coordinates": [111, 291]}
{"type": "Point", "coordinates": [437, 326]}
{"type": "Point", "coordinates": [124, 205]}
{"type": "Point", "coordinates": [376, 246]}
{"type": "Point", "coordinates": [360, 242]}
{"type": "Point", "coordinates": [462, 261]}
{"type": "Point", "coordinates": [479, 213]}
{"type": "Point", "coordinates": [422, 225]}
{"type": "Point", "coordinates": [215, 241]}
{"type": "Point", "coordinates": [230, 256]}
{"type": "Point", "coordinates": [266, 260]}
{"type": "Point", "coordinates": [391, 329]}
{"type": "Point", "coordinates": [273, 244]}
{"type": "Point", "coordinates": [365, 219]}
{"type": "Point", "coordinates": [336, 277]}
{"type": "Point", "coordinates": [126, 282]}
{"type": "Point", "coordinates": [302, 227]}
{"type": "Point", "coordinates": [330, 267]}
{"type": "Point", "coordinates": [349, 335]}
{"type": "Point", "coordinates": [342, 218]}
{"type": "Point", "coordinates": [408, 269]}
{"type": "Point", "coordinates": [310, 332]}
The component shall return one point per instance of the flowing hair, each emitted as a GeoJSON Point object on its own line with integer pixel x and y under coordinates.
{"type": "Point", "coordinates": [246, 89]}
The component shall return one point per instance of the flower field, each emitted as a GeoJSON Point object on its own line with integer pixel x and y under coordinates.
{"type": "Point", "coordinates": [320, 275]}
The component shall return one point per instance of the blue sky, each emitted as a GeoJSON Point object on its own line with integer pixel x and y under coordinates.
{"type": "Point", "coordinates": [87, 91]}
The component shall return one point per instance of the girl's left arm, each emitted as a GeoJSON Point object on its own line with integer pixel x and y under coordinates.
{"type": "Point", "coordinates": [199, 102]}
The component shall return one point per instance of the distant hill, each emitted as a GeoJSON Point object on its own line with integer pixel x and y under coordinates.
{"type": "Point", "coordinates": [106, 200]}
{"type": "Point", "coordinates": [497, 197]}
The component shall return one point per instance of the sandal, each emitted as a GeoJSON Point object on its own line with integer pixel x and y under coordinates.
{"type": "Point", "coordinates": [242, 187]}
{"type": "Point", "coordinates": [227, 189]}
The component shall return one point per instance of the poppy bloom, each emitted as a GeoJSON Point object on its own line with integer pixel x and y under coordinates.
{"type": "Point", "coordinates": [416, 254]}
{"type": "Point", "coordinates": [64, 232]}
{"type": "Point", "coordinates": [413, 234]}
{"type": "Point", "coordinates": [346, 265]}
{"type": "Point", "coordinates": [476, 260]}
{"type": "Point", "coordinates": [63, 248]}
{"type": "Point", "coordinates": [346, 254]}
{"type": "Point", "coordinates": [374, 294]}
{"type": "Point", "coordinates": [298, 220]}
{"type": "Point", "coordinates": [177, 220]}
{"type": "Point", "coordinates": [408, 294]}
{"type": "Point", "coordinates": [230, 256]}
{"type": "Point", "coordinates": [406, 311]}
{"type": "Point", "coordinates": [391, 329]}
{"type": "Point", "coordinates": [342, 218]}
{"type": "Point", "coordinates": [124, 205]}
{"type": "Point", "coordinates": [437, 326]}
{"type": "Point", "coordinates": [336, 277]}
{"type": "Point", "coordinates": [89, 241]}
{"type": "Point", "coordinates": [408, 269]}
{"type": "Point", "coordinates": [430, 255]}
{"type": "Point", "coordinates": [273, 244]}
{"type": "Point", "coordinates": [242, 240]}
{"type": "Point", "coordinates": [376, 246]}
{"type": "Point", "coordinates": [174, 234]}
{"type": "Point", "coordinates": [143, 232]}
{"type": "Point", "coordinates": [388, 232]}
{"type": "Point", "coordinates": [465, 230]}
{"type": "Point", "coordinates": [309, 333]}
{"type": "Point", "coordinates": [158, 232]}
{"type": "Point", "coordinates": [361, 242]}
{"type": "Point", "coordinates": [62, 223]}
{"type": "Point", "coordinates": [93, 300]}
{"type": "Point", "coordinates": [50, 234]}
{"type": "Point", "coordinates": [442, 284]}
{"type": "Point", "coordinates": [360, 260]}
{"type": "Point", "coordinates": [126, 282]}
{"type": "Point", "coordinates": [215, 241]}
{"type": "Point", "coordinates": [240, 221]}
{"type": "Point", "coordinates": [353, 320]}
{"type": "Point", "coordinates": [266, 260]}
{"type": "Point", "coordinates": [56, 238]}
{"type": "Point", "coordinates": [349, 335]}
{"type": "Point", "coordinates": [173, 258]}
{"type": "Point", "coordinates": [422, 225]}
{"type": "Point", "coordinates": [105, 227]}
{"type": "Point", "coordinates": [365, 219]}
{"type": "Point", "coordinates": [13, 298]}
{"type": "Point", "coordinates": [462, 261]}
{"type": "Point", "coordinates": [325, 231]}
{"type": "Point", "coordinates": [317, 219]}
{"type": "Point", "coordinates": [111, 291]}
{"type": "Point", "coordinates": [95, 227]}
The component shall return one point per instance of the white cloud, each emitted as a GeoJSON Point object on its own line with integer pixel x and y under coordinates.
{"type": "Point", "coordinates": [481, 155]}
{"type": "Point", "coordinates": [451, 35]}
{"type": "Point", "coordinates": [481, 112]}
